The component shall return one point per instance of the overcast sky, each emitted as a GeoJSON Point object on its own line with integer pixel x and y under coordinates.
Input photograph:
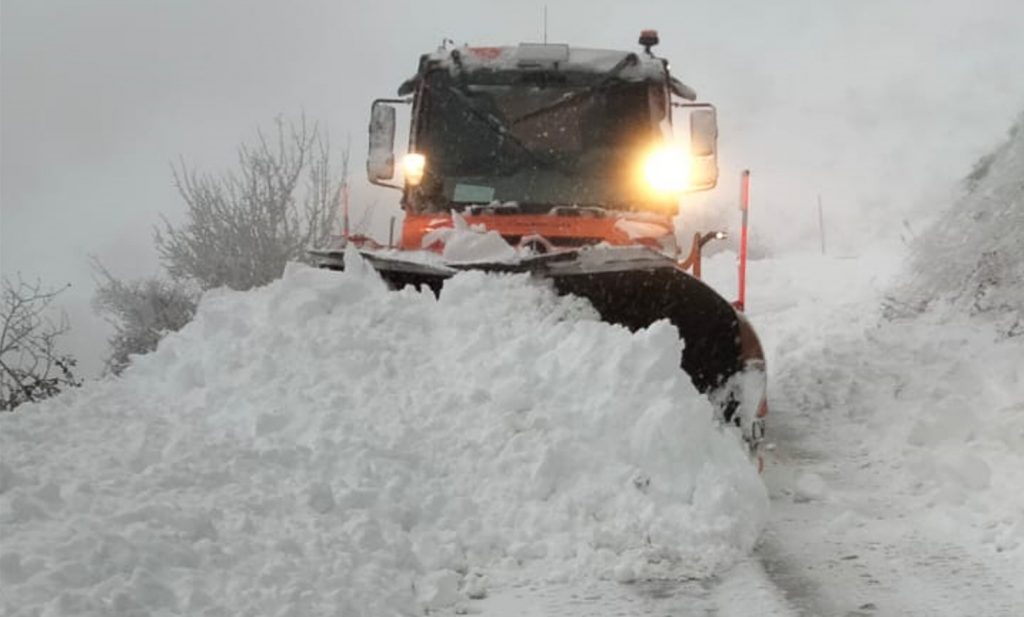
{"type": "Point", "coordinates": [879, 106]}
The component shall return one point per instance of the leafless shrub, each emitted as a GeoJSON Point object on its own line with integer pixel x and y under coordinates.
{"type": "Point", "coordinates": [242, 227]}
{"type": "Point", "coordinates": [141, 312]}
{"type": "Point", "coordinates": [31, 367]}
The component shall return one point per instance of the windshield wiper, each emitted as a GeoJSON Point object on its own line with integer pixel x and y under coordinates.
{"type": "Point", "coordinates": [499, 128]}
{"type": "Point", "coordinates": [629, 60]}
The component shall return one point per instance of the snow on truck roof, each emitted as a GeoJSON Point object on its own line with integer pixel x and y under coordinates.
{"type": "Point", "coordinates": [628, 65]}
{"type": "Point", "coordinates": [558, 57]}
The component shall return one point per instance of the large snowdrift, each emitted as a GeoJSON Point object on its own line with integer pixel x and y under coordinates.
{"type": "Point", "coordinates": [325, 446]}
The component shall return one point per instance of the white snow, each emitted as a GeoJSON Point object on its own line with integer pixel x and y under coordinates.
{"type": "Point", "coordinates": [641, 229]}
{"type": "Point", "coordinates": [577, 59]}
{"type": "Point", "coordinates": [972, 260]}
{"type": "Point", "coordinates": [465, 244]}
{"type": "Point", "coordinates": [899, 455]}
{"type": "Point", "coordinates": [742, 591]}
{"type": "Point", "coordinates": [325, 446]}
{"type": "Point", "coordinates": [897, 391]}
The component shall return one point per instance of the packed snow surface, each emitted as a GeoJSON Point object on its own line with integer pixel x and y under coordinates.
{"type": "Point", "coordinates": [325, 446]}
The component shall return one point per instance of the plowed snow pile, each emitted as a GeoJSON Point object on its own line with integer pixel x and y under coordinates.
{"type": "Point", "coordinates": [324, 446]}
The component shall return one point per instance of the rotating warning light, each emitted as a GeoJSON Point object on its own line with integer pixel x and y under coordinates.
{"type": "Point", "coordinates": [648, 38]}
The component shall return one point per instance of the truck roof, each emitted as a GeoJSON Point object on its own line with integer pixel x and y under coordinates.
{"type": "Point", "coordinates": [527, 56]}
{"type": "Point", "coordinates": [628, 65]}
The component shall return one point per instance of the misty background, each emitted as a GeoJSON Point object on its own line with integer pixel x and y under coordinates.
{"type": "Point", "coordinates": [877, 106]}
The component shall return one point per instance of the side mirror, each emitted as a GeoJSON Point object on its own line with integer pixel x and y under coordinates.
{"type": "Point", "coordinates": [703, 148]}
{"type": "Point", "coordinates": [380, 164]}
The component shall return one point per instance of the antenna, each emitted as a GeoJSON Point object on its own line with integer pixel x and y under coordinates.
{"type": "Point", "coordinates": [545, 24]}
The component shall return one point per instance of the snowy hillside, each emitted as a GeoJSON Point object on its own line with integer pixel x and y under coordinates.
{"type": "Point", "coordinates": [325, 446]}
{"type": "Point", "coordinates": [973, 258]}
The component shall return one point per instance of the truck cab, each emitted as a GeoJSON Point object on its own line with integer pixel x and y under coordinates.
{"type": "Point", "coordinates": [570, 145]}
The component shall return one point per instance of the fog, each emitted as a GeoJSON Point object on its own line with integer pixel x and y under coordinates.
{"type": "Point", "coordinates": [879, 107]}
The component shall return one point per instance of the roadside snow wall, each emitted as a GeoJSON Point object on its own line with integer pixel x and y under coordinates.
{"type": "Point", "coordinates": [933, 394]}
{"type": "Point", "coordinates": [325, 446]}
{"type": "Point", "coordinates": [973, 257]}
{"type": "Point", "coordinates": [956, 366]}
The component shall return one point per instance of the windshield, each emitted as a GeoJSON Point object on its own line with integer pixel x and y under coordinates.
{"type": "Point", "coordinates": [537, 144]}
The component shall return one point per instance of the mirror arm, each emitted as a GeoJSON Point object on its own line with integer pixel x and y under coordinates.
{"type": "Point", "coordinates": [402, 101]}
{"type": "Point", "coordinates": [692, 105]}
{"type": "Point", "coordinates": [387, 185]}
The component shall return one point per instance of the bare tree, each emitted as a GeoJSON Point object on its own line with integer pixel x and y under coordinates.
{"type": "Point", "coordinates": [242, 227]}
{"type": "Point", "coordinates": [142, 312]}
{"type": "Point", "coordinates": [31, 368]}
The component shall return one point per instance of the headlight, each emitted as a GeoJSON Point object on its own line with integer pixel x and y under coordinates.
{"type": "Point", "coordinates": [667, 169]}
{"type": "Point", "coordinates": [413, 165]}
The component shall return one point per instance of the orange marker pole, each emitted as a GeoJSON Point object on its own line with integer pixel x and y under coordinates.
{"type": "Point", "coordinates": [741, 303]}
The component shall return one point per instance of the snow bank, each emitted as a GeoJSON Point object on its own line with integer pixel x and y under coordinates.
{"type": "Point", "coordinates": [963, 406]}
{"type": "Point", "coordinates": [973, 257]}
{"type": "Point", "coordinates": [324, 446]}
{"type": "Point", "coordinates": [899, 452]}
{"type": "Point", "coordinates": [913, 370]}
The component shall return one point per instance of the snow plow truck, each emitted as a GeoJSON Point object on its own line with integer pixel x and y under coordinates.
{"type": "Point", "coordinates": [578, 159]}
